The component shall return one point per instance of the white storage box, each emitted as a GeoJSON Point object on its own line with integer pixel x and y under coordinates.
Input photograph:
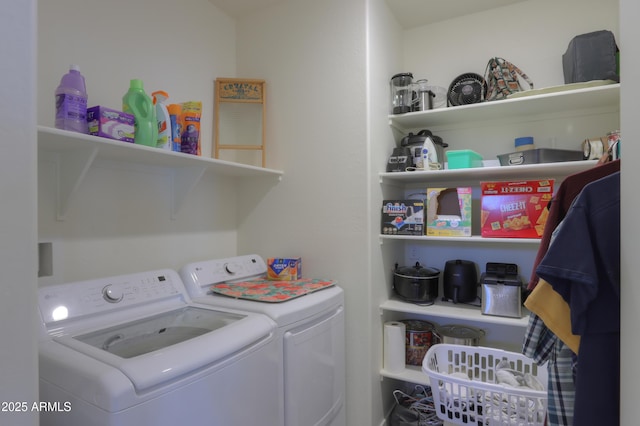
{"type": "Point", "coordinates": [469, 386]}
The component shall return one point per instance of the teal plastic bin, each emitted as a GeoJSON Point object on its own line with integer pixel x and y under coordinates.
{"type": "Point", "coordinates": [463, 159]}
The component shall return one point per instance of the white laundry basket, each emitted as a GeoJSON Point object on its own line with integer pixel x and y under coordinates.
{"type": "Point", "coordinates": [466, 390]}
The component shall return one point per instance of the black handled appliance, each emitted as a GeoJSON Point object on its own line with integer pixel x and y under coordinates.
{"type": "Point", "coordinates": [460, 281]}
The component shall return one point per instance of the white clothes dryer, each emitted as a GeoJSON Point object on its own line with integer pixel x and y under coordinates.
{"type": "Point", "coordinates": [311, 338]}
{"type": "Point", "coordinates": [134, 350]}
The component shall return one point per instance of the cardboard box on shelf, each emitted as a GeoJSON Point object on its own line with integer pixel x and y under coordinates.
{"type": "Point", "coordinates": [449, 212]}
{"type": "Point", "coordinates": [402, 217]}
{"type": "Point", "coordinates": [515, 209]}
{"type": "Point", "coordinates": [109, 123]}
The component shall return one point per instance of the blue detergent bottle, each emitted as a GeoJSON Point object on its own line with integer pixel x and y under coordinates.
{"type": "Point", "coordinates": [138, 103]}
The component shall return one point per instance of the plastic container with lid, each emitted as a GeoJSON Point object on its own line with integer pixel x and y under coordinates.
{"type": "Point", "coordinates": [419, 338]}
{"type": "Point", "coordinates": [138, 103]}
{"type": "Point", "coordinates": [524, 143]}
{"type": "Point", "coordinates": [71, 102]}
{"type": "Point", "coordinates": [463, 159]}
{"type": "Point", "coordinates": [460, 334]}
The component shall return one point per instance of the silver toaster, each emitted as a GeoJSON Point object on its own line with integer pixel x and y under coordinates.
{"type": "Point", "coordinates": [501, 290]}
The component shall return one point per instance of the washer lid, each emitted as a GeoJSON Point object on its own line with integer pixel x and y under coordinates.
{"type": "Point", "coordinates": [165, 346]}
{"type": "Point", "coordinates": [157, 332]}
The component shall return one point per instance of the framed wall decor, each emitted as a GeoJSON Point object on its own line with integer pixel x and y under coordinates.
{"type": "Point", "coordinates": [240, 118]}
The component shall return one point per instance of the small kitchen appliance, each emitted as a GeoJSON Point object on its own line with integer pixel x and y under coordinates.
{"type": "Point", "coordinates": [417, 284]}
{"type": "Point", "coordinates": [420, 141]}
{"type": "Point", "coordinates": [401, 93]}
{"type": "Point", "coordinates": [424, 101]}
{"type": "Point", "coordinates": [455, 334]}
{"type": "Point", "coordinates": [501, 290]}
{"type": "Point", "coordinates": [400, 159]}
{"type": "Point", "coordinates": [460, 281]}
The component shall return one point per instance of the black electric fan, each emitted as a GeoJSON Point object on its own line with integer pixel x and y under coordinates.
{"type": "Point", "coordinates": [465, 89]}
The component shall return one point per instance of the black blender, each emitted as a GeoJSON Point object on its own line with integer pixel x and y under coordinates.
{"type": "Point", "coordinates": [401, 93]}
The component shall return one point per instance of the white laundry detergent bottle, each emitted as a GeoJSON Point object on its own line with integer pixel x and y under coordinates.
{"type": "Point", "coordinates": [164, 119]}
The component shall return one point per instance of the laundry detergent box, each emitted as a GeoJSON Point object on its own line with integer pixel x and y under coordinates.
{"type": "Point", "coordinates": [449, 212]}
{"type": "Point", "coordinates": [284, 269]}
{"type": "Point", "coordinates": [109, 123]}
{"type": "Point", "coordinates": [515, 209]}
{"type": "Point", "coordinates": [402, 217]}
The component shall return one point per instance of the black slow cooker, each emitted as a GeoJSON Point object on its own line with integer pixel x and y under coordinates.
{"type": "Point", "coordinates": [417, 284]}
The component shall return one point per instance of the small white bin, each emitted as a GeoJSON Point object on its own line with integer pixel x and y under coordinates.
{"type": "Point", "coordinates": [467, 391]}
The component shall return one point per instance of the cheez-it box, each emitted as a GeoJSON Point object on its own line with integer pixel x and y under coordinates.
{"type": "Point", "coordinates": [284, 269]}
{"type": "Point", "coordinates": [515, 209]}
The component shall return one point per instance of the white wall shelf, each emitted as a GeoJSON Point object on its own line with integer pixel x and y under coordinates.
{"type": "Point", "coordinates": [474, 239]}
{"type": "Point", "coordinates": [451, 311]}
{"type": "Point", "coordinates": [410, 373]}
{"type": "Point", "coordinates": [438, 312]}
{"type": "Point", "coordinates": [75, 154]}
{"type": "Point", "coordinates": [475, 175]}
{"type": "Point", "coordinates": [572, 102]}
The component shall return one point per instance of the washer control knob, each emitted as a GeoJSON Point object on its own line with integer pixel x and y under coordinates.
{"type": "Point", "coordinates": [112, 294]}
{"type": "Point", "coordinates": [231, 268]}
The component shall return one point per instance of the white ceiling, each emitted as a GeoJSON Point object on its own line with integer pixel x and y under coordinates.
{"type": "Point", "coordinates": [238, 8]}
{"type": "Point", "coordinates": [413, 13]}
{"type": "Point", "coordinates": [410, 13]}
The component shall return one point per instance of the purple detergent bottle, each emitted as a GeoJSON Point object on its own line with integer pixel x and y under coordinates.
{"type": "Point", "coordinates": [71, 102]}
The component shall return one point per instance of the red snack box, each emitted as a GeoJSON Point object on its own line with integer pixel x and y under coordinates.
{"type": "Point", "coordinates": [515, 209]}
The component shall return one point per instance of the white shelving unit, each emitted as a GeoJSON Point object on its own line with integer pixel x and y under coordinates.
{"type": "Point", "coordinates": [474, 239]}
{"type": "Point", "coordinates": [557, 104]}
{"type": "Point", "coordinates": [451, 311]}
{"type": "Point", "coordinates": [525, 171]}
{"type": "Point", "coordinates": [76, 153]}
{"type": "Point", "coordinates": [572, 103]}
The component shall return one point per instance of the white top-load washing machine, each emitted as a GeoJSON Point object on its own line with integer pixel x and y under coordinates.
{"type": "Point", "coordinates": [134, 350]}
{"type": "Point", "coordinates": [310, 332]}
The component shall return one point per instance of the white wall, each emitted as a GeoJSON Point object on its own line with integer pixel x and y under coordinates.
{"type": "Point", "coordinates": [18, 254]}
{"type": "Point", "coordinates": [178, 47]}
{"type": "Point", "coordinates": [630, 235]}
{"type": "Point", "coordinates": [532, 34]}
{"type": "Point", "coordinates": [384, 35]}
{"type": "Point", "coordinates": [312, 55]}
{"type": "Point", "coordinates": [442, 51]}
{"type": "Point", "coordinates": [120, 221]}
